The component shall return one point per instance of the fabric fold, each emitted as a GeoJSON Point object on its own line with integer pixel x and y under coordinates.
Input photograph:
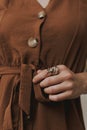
{"type": "Point", "coordinates": [7, 124]}
{"type": "Point", "coordinates": [25, 88]}
{"type": "Point", "coordinates": [24, 94]}
{"type": "Point", "coordinates": [24, 98]}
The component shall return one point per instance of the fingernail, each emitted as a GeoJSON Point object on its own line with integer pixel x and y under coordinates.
{"type": "Point", "coordinates": [33, 80]}
{"type": "Point", "coordinates": [38, 71]}
{"type": "Point", "coordinates": [41, 84]}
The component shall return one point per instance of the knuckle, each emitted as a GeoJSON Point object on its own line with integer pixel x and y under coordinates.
{"type": "Point", "coordinates": [52, 79]}
{"type": "Point", "coordinates": [71, 84]}
{"type": "Point", "coordinates": [49, 80]}
{"type": "Point", "coordinates": [41, 75]}
{"type": "Point", "coordinates": [52, 90]}
{"type": "Point", "coordinates": [46, 83]}
{"type": "Point", "coordinates": [63, 66]}
{"type": "Point", "coordinates": [69, 75]}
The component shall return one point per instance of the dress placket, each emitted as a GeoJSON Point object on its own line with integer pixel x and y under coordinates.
{"type": "Point", "coordinates": [26, 73]}
{"type": "Point", "coordinates": [26, 85]}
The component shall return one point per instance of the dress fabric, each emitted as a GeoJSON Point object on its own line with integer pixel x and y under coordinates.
{"type": "Point", "coordinates": [62, 39]}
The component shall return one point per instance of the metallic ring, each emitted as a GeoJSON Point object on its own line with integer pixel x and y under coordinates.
{"type": "Point", "coordinates": [53, 70]}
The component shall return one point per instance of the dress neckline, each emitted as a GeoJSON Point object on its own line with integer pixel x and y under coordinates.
{"type": "Point", "coordinates": [43, 5]}
{"type": "Point", "coordinates": [48, 7]}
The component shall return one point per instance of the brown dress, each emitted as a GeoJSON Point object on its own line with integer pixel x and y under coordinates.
{"type": "Point", "coordinates": [33, 38]}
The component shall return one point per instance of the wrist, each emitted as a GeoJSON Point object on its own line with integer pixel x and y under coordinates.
{"type": "Point", "coordinates": [83, 81]}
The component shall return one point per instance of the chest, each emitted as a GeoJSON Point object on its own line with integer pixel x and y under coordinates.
{"type": "Point", "coordinates": [43, 3]}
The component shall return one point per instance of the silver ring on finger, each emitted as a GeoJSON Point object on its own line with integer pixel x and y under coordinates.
{"type": "Point", "coordinates": [53, 70]}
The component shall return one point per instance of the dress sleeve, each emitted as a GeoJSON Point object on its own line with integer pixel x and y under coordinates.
{"type": "Point", "coordinates": [39, 94]}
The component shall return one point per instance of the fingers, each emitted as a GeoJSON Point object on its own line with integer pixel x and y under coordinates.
{"type": "Point", "coordinates": [41, 74]}
{"type": "Point", "coordinates": [38, 71]}
{"type": "Point", "coordinates": [61, 96]}
{"type": "Point", "coordinates": [64, 74]}
{"type": "Point", "coordinates": [56, 79]}
{"type": "Point", "coordinates": [58, 88]}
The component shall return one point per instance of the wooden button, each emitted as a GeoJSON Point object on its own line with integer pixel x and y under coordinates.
{"type": "Point", "coordinates": [41, 14]}
{"type": "Point", "coordinates": [32, 42]}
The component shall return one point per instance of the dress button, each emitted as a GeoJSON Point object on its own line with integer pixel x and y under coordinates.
{"type": "Point", "coordinates": [41, 14]}
{"type": "Point", "coordinates": [32, 42]}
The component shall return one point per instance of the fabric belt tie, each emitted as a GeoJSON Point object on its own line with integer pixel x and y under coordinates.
{"type": "Point", "coordinates": [25, 87]}
{"type": "Point", "coordinates": [25, 72]}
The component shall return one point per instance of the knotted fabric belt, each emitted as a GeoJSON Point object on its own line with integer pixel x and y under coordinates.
{"type": "Point", "coordinates": [25, 72]}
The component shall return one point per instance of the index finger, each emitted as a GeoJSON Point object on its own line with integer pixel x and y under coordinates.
{"type": "Point", "coordinates": [40, 76]}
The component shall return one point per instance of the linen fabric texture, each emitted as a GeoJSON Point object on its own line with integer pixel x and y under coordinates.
{"type": "Point", "coordinates": [62, 39]}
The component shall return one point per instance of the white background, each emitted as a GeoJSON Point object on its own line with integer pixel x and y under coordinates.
{"type": "Point", "coordinates": [84, 102]}
{"type": "Point", "coordinates": [84, 108]}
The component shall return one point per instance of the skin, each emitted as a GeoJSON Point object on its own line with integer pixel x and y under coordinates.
{"type": "Point", "coordinates": [44, 3]}
{"type": "Point", "coordinates": [65, 85]}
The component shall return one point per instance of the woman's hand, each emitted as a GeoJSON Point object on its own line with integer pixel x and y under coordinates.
{"type": "Point", "coordinates": [65, 85]}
